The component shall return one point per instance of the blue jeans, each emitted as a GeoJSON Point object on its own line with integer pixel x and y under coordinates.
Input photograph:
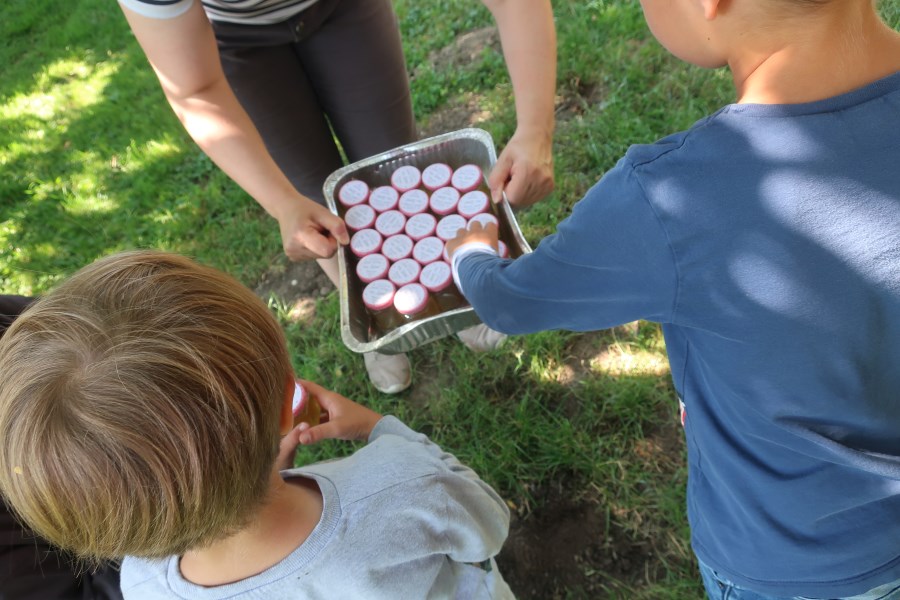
{"type": "Point", "coordinates": [719, 588]}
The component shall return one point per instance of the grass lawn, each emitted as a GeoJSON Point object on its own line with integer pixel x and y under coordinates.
{"type": "Point", "coordinates": [577, 431]}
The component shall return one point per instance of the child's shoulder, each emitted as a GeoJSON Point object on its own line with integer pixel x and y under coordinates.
{"type": "Point", "coordinates": [395, 456]}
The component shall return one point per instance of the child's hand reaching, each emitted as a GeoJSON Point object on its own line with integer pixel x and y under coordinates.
{"type": "Point", "coordinates": [476, 232]}
{"type": "Point", "coordinates": [342, 419]}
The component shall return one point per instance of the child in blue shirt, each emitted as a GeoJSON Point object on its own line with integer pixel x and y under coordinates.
{"type": "Point", "coordinates": [766, 241]}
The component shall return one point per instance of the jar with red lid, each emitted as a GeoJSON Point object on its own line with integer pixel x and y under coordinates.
{"type": "Point", "coordinates": [436, 176]}
{"type": "Point", "coordinates": [413, 202]}
{"type": "Point", "coordinates": [361, 216]}
{"type": "Point", "coordinates": [397, 247]}
{"type": "Point", "coordinates": [372, 267]}
{"type": "Point", "coordinates": [438, 279]}
{"type": "Point", "coordinates": [467, 178]}
{"type": "Point", "coordinates": [304, 406]}
{"type": "Point", "coordinates": [473, 203]}
{"type": "Point", "coordinates": [378, 298]}
{"type": "Point", "coordinates": [390, 223]}
{"type": "Point", "coordinates": [484, 219]}
{"type": "Point", "coordinates": [421, 226]}
{"type": "Point", "coordinates": [413, 302]}
{"type": "Point", "coordinates": [404, 271]}
{"type": "Point", "coordinates": [365, 242]}
{"type": "Point", "coordinates": [428, 250]}
{"type": "Point", "coordinates": [449, 226]}
{"type": "Point", "coordinates": [443, 201]}
{"type": "Point", "coordinates": [353, 192]}
{"type": "Point", "coordinates": [406, 178]}
{"type": "Point", "coordinates": [384, 198]}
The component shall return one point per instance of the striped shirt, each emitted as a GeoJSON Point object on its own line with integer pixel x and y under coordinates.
{"type": "Point", "coordinates": [245, 12]}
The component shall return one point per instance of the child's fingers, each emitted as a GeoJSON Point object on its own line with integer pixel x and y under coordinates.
{"type": "Point", "coordinates": [287, 447]}
{"type": "Point", "coordinates": [324, 431]}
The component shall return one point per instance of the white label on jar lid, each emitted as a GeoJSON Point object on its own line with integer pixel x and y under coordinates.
{"type": "Point", "coordinates": [406, 178]}
{"type": "Point", "coordinates": [301, 397]}
{"type": "Point", "coordinates": [504, 249]}
{"type": "Point", "coordinates": [404, 271]}
{"type": "Point", "coordinates": [365, 242]}
{"type": "Point", "coordinates": [421, 226]}
{"type": "Point", "coordinates": [384, 198]}
{"type": "Point", "coordinates": [436, 276]}
{"type": "Point", "coordinates": [410, 299]}
{"type": "Point", "coordinates": [372, 267]}
{"type": "Point", "coordinates": [449, 226]}
{"type": "Point", "coordinates": [361, 216]}
{"type": "Point", "coordinates": [436, 176]}
{"type": "Point", "coordinates": [428, 250]}
{"type": "Point", "coordinates": [472, 203]}
{"type": "Point", "coordinates": [379, 294]}
{"type": "Point", "coordinates": [484, 219]}
{"type": "Point", "coordinates": [353, 192]}
{"type": "Point", "coordinates": [444, 200]}
{"type": "Point", "coordinates": [466, 178]}
{"type": "Point", "coordinates": [390, 223]}
{"type": "Point", "coordinates": [397, 247]}
{"type": "Point", "coordinates": [413, 202]}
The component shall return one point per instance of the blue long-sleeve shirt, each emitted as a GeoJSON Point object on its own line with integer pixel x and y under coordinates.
{"type": "Point", "coordinates": [766, 240]}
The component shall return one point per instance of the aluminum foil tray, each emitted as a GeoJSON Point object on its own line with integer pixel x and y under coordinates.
{"type": "Point", "coordinates": [455, 148]}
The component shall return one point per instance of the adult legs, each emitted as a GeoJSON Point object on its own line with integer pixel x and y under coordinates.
{"type": "Point", "coordinates": [271, 83]}
{"type": "Point", "coordinates": [355, 63]}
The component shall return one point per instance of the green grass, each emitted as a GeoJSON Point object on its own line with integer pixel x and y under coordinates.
{"type": "Point", "coordinates": [93, 161]}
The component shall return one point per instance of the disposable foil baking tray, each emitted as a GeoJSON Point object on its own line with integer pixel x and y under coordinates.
{"type": "Point", "coordinates": [455, 148]}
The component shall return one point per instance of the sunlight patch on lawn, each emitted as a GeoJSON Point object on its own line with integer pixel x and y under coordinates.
{"type": "Point", "coordinates": [620, 360]}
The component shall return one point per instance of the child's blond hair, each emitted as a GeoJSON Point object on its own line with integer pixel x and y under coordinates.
{"type": "Point", "coordinates": [139, 407]}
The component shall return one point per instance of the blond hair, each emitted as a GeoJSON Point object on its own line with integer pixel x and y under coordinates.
{"type": "Point", "coordinates": [139, 407]}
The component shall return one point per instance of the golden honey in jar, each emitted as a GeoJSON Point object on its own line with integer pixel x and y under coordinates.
{"type": "Point", "coordinates": [443, 201]}
{"type": "Point", "coordinates": [473, 203]}
{"type": "Point", "coordinates": [436, 175]}
{"type": "Point", "coordinates": [413, 202]}
{"type": "Point", "coordinates": [438, 279]}
{"type": "Point", "coordinates": [404, 271]}
{"type": "Point", "coordinates": [352, 193]}
{"type": "Point", "coordinates": [378, 298]}
{"type": "Point", "coordinates": [467, 178]}
{"type": "Point", "coordinates": [428, 250]}
{"type": "Point", "coordinates": [406, 178]}
{"type": "Point", "coordinates": [413, 302]}
{"type": "Point", "coordinates": [384, 198]}
{"type": "Point", "coordinates": [304, 406]}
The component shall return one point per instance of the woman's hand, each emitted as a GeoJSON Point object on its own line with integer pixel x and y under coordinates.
{"type": "Point", "coordinates": [524, 169]}
{"type": "Point", "coordinates": [342, 419]}
{"type": "Point", "coordinates": [309, 230]}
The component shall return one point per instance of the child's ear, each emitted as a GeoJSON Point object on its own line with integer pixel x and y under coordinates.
{"type": "Point", "coordinates": [711, 8]}
{"type": "Point", "coordinates": [286, 419]}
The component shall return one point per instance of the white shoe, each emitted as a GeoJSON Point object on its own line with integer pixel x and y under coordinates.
{"type": "Point", "coordinates": [481, 338]}
{"type": "Point", "coordinates": [389, 373]}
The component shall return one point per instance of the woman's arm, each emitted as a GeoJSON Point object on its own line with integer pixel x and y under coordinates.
{"type": "Point", "coordinates": [525, 167]}
{"type": "Point", "coordinates": [183, 53]}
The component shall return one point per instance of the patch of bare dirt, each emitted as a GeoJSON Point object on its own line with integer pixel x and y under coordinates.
{"type": "Point", "coordinates": [465, 49]}
{"type": "Point", "coordinates": [296, 285]}
{"type": "Point", "coordinates": [569, 548]}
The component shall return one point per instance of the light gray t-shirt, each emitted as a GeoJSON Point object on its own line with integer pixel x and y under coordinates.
{"type": "Point", "coordinates": [401, 519]}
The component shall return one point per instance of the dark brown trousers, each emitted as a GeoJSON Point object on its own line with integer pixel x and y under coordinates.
{"type": "Point", "coordinates": [334, 74]}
